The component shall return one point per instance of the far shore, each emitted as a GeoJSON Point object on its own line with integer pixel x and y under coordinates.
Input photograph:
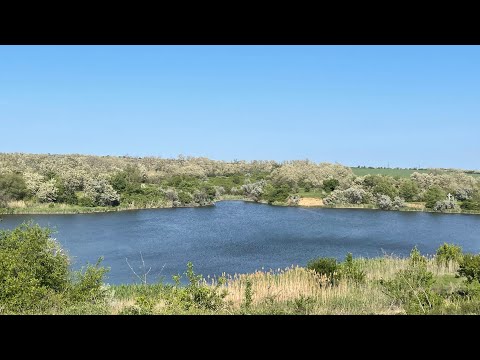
{"type": "Point", "coordinates": [310, 202]}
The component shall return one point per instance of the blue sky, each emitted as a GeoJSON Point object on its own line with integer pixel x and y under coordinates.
{"type": "Point", "coordinates": [401, 106]}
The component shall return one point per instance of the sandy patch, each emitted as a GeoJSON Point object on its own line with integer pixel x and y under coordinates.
{"type": "Point", "coordinates": [415, 205]}
{"type": "Point", "coordinates": [310, 202]}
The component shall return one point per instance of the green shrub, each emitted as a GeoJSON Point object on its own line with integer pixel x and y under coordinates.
{"type": "Point", "coordinates": [408, 190]}
{"type": "Point", "coordinates": [470, 204]}
{"type": "Point", "coordinates": [327, 267]}
{"type": "Point", "coordinates": [470, 268]}
{"type": "Point", "coordinates": [12, 187]}
{"type": "Point", "coordinates": [86, 202]}
{"type": "Point", "coordinates": [88, 283]}
{"type": "Point", "coordinates": [276, 193]}
{"type": "Point", "coordinates": [412, 288]}
{"type": "Point", "coordinates": [330, 184]}
{"type": "Point", "coordinates": [35, 276]}
{"type": "Point", "coordinates": [33, 269]}
{"type": "Point", "coordinates": [447, 253]}
{"type": "Point", "coordinates": [185, 197]}
{"type": "Point", "coordinates": [65, 194]}
{"type": "Point", "coordinates": [248, 294]}
{"type": "Point", "coordinates": [384, 186]}
{"type": "Point", "coordinates": [197, 294]}
{"type": "Point", "coordinates": [351, 270]}
{"type": "Point", "coordinates": [433, 195]}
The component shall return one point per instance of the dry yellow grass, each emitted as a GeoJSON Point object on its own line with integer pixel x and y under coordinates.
{"type": "Point", "coordinates": [309, 202]}
{"type": "Point", "coordinates": [346, 298]}
{"type": "Point", "coordinates": [16, 204]}
{"type": "Point", "coordinates": [416, 205]}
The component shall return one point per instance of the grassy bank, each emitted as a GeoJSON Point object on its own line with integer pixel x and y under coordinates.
{"type": "Point", "coordinates": [59, 209]}
{"type": "Point", "coordinates": [295, 291]}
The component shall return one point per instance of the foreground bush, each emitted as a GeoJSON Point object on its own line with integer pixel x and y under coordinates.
{"type": "Point", "coordinates": [412, 288]}
{"type": "Point", "coordinates": [470, 268]}
{"type": "Point", "coordinates": [35, 274]}
{"type": "Point", "coordinates": [448, 253]}
{"type": "Point", "coordinates": [327, 267]}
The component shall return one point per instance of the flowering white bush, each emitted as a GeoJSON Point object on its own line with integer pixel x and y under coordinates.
{"type": "Point", "coordinates": [101, 192]}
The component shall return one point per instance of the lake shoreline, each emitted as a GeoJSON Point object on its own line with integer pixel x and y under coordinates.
{"type": "Point", "coordinates": [95, 210]}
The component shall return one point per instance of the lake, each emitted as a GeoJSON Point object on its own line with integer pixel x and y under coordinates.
{"type": "Point", "coordinates": [239, 237]}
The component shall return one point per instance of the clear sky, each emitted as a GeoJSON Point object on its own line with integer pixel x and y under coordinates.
{"type": "Point", "coordinates": [401, 106]}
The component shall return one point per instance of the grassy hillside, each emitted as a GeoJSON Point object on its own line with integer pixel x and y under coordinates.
{"type": "Point", "coordinates": [31, 183]}
{"type": "Point", "coordinates": [402, 173]}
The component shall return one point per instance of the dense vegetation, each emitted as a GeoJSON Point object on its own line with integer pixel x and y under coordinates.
{"type": "Point", "coordinates": [76, 183]}
{"type": "Point", "coordinates": [35, 278]}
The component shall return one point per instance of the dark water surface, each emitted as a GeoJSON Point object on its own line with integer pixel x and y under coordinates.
{"type": "Point", "coordinates": [238, 237]}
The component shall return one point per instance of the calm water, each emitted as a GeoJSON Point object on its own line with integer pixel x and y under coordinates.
{"type": "Point", "coordinates": [238, 237]}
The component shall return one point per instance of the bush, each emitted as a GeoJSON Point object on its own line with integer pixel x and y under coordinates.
{"type": "Point", "coordinates": [33, 268]}
{"type": "Point", "coordinates": [185, 197]}
{"type": "Point", "coordinates": [127, 181]}
{"type": "Point", "coordinates": [444, 205]}
{"type": "Point", "coordinates": [35, 276]}
{"type": "Point", "coordinates": [384, 202]}
{"type": "Point", "coordinates": [385, 187]}
{"type": "Point", "coordinates": [412, 288]}
{"type": "Point", "coordinates": [409, 190]}
{"type": "Point", "coordinates": [470, 204]}
{"type": "Point", "coordinates": [330, 185]}
{"type": "Point", "coordinates": [470, 268]}
{"type": "Point", "coordinates": [350, 270]}
{"type": "Point", "coordinates": [86, 202]}
{"type": "Point", "coordinates": [448, 253]}
{"type": "Point", "coordinates": [276, 194]}
{"type": "Point", "coordinates": [12, 187]}
{"type": "Point", "coordinates": [88, 283]}
{"type": "Point", "coordinates": [66, 194]}
{"type": "Point", "coordinates": [197, 294]}
{"type": "Point", "coordinates": [327, 267]}
{"type": "Point", "coordinates": [433, 195]}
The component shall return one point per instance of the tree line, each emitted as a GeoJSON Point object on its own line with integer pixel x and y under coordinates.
{"type": "Point", "coordinates": [107, 181]}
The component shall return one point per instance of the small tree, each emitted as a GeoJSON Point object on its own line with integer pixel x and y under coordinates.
{"type": "Point", "coordinates": [327, 267]}
{"type": "Point", "coordinates": [470, 268]}
{"type": "Point", "coordinates": [101, 192]}
{"type": "Point", "coordinates": [12, 187]}
{"type": "Point", "coordinates": [330, 185]}
{"type": "Point", "coordinates": [409, 190]}
{"type": "Point", "coordinates": [448, 253]}
{"type": "Point", "coordinates": [433, 195]}
{"type": "Point", "coordinates": [33, 268]}
{"type": "Point", "coordinates": [48, 191]}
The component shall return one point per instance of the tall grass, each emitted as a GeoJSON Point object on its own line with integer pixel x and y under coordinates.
{"type": "Point", "coordinates": [285, 286]}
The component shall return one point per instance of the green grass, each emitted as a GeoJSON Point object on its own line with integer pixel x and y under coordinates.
{"type": "Point", "coordinates": [402, 173]}
{"type": "Point", "coordinates": [311, 194]}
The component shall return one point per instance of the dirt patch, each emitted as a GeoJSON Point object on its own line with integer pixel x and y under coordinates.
{"type": "Point", "coordinates": [415, 205]}
{"type": "Point", "coordinates": [310, 202]}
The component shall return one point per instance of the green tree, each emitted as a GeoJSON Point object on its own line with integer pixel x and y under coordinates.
{"type": "Point", "coordinates": [65, 193]}
{"type": "Point", "coordinates": [128, 180]}
{"type": "Point", "coordinates": [33, 268]}
{"type": "Point", "coordinates": [433, 194]}
{"type": "Point", "coordinates": [276, 193]}
{"type": "Point", "coordinates": [470, 267]}
{"type": "Point", "coordinates": [12, 187]}
{"type": "Point", "coordinates": [385, 187]}
{"type": "Point", "coordinates": [408, 190]}
{"type": "Point", "coordinates": [447, 253]}
{"type": "Point", "coordinates": [330, 185]}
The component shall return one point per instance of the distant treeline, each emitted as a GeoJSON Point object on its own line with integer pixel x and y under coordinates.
{"type": "Point", "coordinates": [28, 180]}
